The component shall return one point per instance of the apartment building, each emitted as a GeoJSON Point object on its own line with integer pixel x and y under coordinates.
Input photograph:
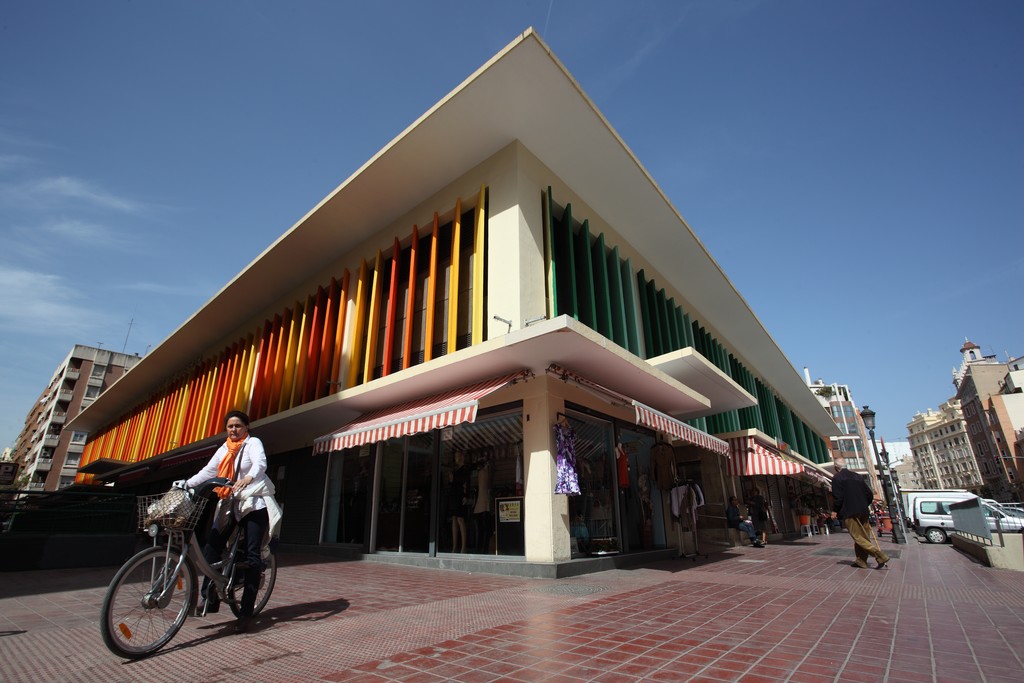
{"type": "Point", "coordinates": [942, 454]}
{"type": "Point", "coordinates": [853, 442]}
{"type": "Point", "coordinates": [993, 407]}
{"type": "Point", "coordinates": [47, 453]}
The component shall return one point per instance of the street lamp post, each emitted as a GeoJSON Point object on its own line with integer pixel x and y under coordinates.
{"type": "Point", "coordinates": [898, 533]}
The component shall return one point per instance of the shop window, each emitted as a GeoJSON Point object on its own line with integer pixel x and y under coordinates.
{"type": "Point", "coordinates": [491, 455]}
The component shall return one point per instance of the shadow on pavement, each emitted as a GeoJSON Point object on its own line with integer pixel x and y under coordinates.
{"type": "Point", "coordinates": [307, 611]}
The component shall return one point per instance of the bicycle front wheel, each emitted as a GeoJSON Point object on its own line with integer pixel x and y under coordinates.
{"type": "Point", "coordinates": [147, 602]}
{"type": "Point", "coordinates": [267, 580]}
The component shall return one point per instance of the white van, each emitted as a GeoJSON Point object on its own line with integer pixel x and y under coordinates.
{"type": "Point", "coordinates": [908, 496]}
{"type": "Point", "coordinates": [932, 518]}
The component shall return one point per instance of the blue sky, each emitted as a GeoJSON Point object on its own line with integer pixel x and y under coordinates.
{"type": "Point", "coordinates": [867, 156]}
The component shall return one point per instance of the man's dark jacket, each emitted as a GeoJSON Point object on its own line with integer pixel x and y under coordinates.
{"type": "Point", "coordinates": [851, 494]}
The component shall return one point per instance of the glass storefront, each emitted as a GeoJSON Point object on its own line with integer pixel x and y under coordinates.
{"type": "Point", "coordinates": [442, 492]}
{"type": "Point", "coordinates": [398, 496]}
{"type": "Point", "coordinates": [619, 507]}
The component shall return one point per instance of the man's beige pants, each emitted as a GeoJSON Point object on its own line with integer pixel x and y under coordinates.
{"type": "Point", "coordinates": [866, 545]}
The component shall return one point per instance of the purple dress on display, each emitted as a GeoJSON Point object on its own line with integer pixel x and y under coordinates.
{"type": "Point", "coordinates": [565, 443]}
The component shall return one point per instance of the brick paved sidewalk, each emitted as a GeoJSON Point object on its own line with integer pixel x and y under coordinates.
{"type": "Point", "coordinates": [793, 611]}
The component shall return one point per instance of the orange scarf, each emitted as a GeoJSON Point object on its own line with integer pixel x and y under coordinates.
{"type": "Point", "coordinates": [226, 468]}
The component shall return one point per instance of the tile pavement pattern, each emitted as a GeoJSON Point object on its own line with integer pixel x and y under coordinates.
{"type": "Point", "coordinates": [793, 611]}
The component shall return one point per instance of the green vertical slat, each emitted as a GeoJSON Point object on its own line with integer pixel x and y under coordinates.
{"type": "Point", "coordinates": [602, 291]}
{"type": "Point", "coordinates": [628, 296]}
{"type": "Point", "coordinates": [688, 329]}
{"type": "Point", "coordinates": [752, 388]}
{"type": "Point", "coordinates": [553, 308]}
{"type": "Point", "coordinates": [801, 435]}
{"type": "Point", "coordinates": [680, 328]}
{"type": "Point", "coordinates": [812, 445]}
{"type": "Point", "coordinates": [788, 428]}
{"type": "Point", "coordinates": [666, 335]}
{"type": "Point", "coordinates": [673, 326]}
{"type": "Point", "coordinates": [654, 342]}
{"type": "Point", "coordinates": [698, 339]}
{"type": "Point", "coordinates": [645, 313]}
{"type": "Point", "coordinates": [773, 406]}
{"type": "Point", "coordinates": [615, 287]}
{"type": "Point", "coordinates": [585, 276]}
{"type": "Point", "coordinates": [571, 300]}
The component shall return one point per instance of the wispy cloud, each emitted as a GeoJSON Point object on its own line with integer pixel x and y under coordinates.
{"type": "Point", "coordinates": [162, 288]}
{"type": "Point", "coordinates": [42, 242]}
{"type": "Point", "coordinates": [9, 162]}
{"type": "Point", "coordinates": [64, 188]}
{"type": "Point", "coordinates": [84, 231]}
{"type": "Point", "coordinates": [63, 194]}
{"type": "Point", "coordinates": [625, 71]}
{"type": "Point", "coordinates": [39, 303]}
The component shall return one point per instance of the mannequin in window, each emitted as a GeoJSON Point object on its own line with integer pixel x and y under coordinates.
{"type": "Point", "coordinates": [458, 486]}
{"type": "Point", "coordinates": [482, 509]}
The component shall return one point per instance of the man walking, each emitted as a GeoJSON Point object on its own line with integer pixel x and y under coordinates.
{"type": "Point", "coordinates": [851, 499]}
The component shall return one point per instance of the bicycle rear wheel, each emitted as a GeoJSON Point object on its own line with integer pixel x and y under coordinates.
{"type": "Point", "coordinates": [147, 602]}
{"type": "Point", "coordinates": [267, 580]}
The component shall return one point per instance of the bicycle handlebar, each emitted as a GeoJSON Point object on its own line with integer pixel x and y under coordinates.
{"type": "Point", "coordinates": [207, 487]}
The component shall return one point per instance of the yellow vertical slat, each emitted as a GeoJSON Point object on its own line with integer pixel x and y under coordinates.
{"type": "Point", "coordinates": [300, 348]}
{"type": "Point", "coordinates": [373, 320]}
{"type": "Point", "coordinates": [479, 221]}
{"type": "Point", "coordinates": [358, 327]}
{"type": "Point", "coordinates": [453, 280]}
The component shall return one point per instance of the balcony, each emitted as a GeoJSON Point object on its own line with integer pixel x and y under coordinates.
{"type": "Point", "coordinates": [58, 418]}
{"type": "Point", "coordinates": [44, 464]}
{"type": "Point", "coordinates": [64, 395]}
{"type": "Point", "coordinates": [72, 375]}
{"type": "Point", "coordinates": [35, 486]}
{"type": "Point", "coordinates": [51, 440]}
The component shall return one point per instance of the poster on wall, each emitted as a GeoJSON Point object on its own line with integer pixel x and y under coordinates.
{"type": "Point", "coordinates": [510, 511]}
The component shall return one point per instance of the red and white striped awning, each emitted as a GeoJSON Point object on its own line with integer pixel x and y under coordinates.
{"type": "Point", "coordinates": [661, 422]}
{"type": "Point", "coordinates": [422, 415]}
{"type": "Point", "coordinates": [750, 458]}
{"type": "Point", "coordinates": [817, 477]}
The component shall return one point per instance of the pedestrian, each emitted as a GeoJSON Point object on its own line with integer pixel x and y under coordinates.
{"type": "Point", "coordinates": [758, 508]}
{"type": "Point", "coordinates": [736, 521]}
{"type": "Point", "coordinates": [851, 501]}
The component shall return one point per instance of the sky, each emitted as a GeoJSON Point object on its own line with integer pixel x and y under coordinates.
{"type": "Point", "coordinates": [868, 155]}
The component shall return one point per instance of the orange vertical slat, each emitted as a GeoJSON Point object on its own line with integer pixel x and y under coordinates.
{"type": "Point", "coordinates": [316, 334]}
{"type": "Point", "coordinates": [339, 336]}
{"type": "Point", "coordinates": [410, 301]}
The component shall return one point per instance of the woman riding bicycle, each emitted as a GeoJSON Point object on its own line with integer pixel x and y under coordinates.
{"type": "Point", "coordinates": [249, 502]}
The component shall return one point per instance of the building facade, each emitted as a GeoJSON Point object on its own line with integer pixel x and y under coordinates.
{"type": "Point", "coordinates": [48, 454]}
{"type": "Point", "coordinates": [498, 319]}
{"type": "Point", "coordinates": [853, 442]}
{"type": "Point", "coordinates": [994, 411]}
{"type": "Point", "coordinates": [942, 454]}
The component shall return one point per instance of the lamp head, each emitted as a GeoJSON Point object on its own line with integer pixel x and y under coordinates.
{"type": "Point", "coordinates": [868, 416]}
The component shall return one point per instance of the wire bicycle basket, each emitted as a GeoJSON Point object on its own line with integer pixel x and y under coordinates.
{"type": "Point", "coordinates": [175, 509]}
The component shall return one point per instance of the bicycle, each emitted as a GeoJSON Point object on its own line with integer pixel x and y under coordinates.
{"type": "Point", "coordinates": [154, 592]}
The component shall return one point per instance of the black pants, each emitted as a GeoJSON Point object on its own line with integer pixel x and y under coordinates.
{"type": "Point", "coordinates": [255, 525]}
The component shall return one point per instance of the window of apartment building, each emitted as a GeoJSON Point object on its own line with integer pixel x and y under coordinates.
{"type": "Point", "coordinates": [98, 371]}
{"type": "Point", "coordinates": [66, 481]}
{"type": "Point", "coordinates": [79, 437]}
{"type": "Point", "coordinates": [92, 392]}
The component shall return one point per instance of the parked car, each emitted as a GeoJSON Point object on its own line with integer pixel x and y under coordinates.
{"type": "Point", "coordinates": [933, 519]}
